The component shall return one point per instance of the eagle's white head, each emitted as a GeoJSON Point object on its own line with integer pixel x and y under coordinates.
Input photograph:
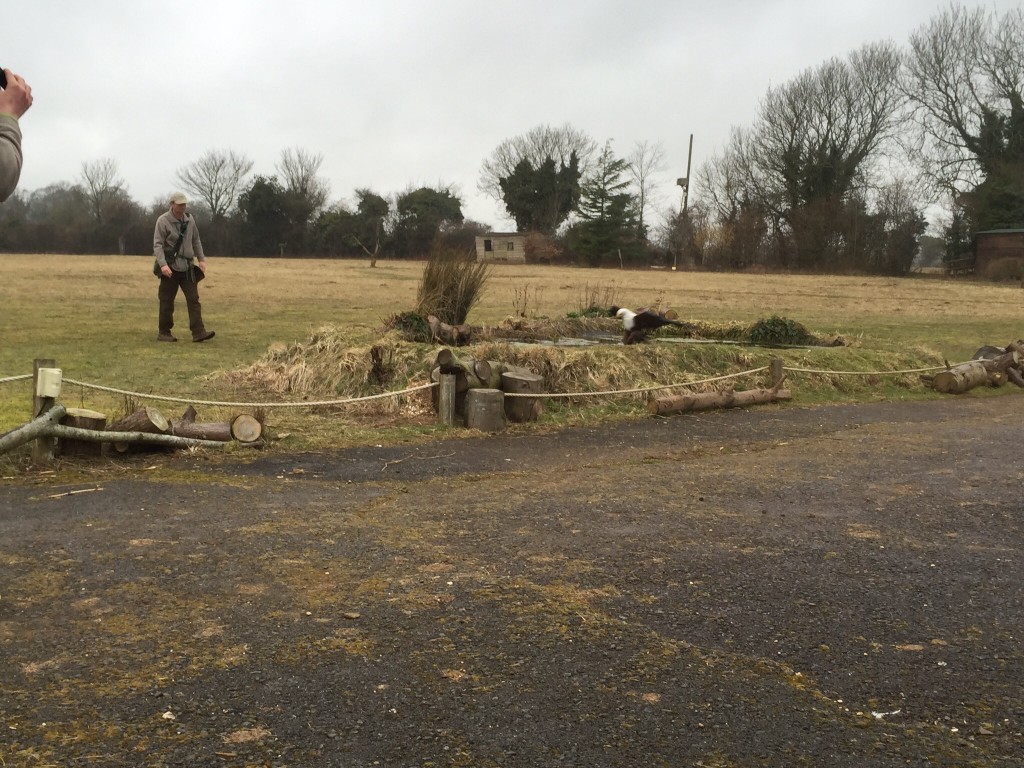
{"type": "Point", "coordinates": [627, 318]}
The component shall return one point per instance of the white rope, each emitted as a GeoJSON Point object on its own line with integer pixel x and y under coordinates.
{"type": "Point", "coordinates": [867, 373]}
{"type": "Point", "coordinates": [639, 389]}
{"type": "Point", "coordinates": [305, 404]}
{"type": "Point", "coordinates": [16, 378]}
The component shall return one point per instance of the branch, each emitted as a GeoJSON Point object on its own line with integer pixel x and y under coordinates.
{"type": "Point", "coordinates": [46, 426]}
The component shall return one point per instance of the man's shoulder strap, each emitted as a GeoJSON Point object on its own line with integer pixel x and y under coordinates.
{"type": "Point", "coordinates": [182, 226]}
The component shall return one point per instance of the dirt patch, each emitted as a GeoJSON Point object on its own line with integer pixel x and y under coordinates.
{"type": "Point", "coordinates": [834, 586]}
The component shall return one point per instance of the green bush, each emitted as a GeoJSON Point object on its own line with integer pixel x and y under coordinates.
{"type": "Point", "coordinates": [779, 330]}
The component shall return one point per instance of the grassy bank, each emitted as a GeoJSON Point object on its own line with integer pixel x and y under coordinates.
{"type": "Point", "coordinates": [96, 317]}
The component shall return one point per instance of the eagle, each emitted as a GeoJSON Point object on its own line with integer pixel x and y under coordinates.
{"type": "Point", "coordinates": [636, 325]}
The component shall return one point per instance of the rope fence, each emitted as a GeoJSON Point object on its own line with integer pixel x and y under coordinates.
{"type": "Point", "coordinates": [423, 387]}
{"type": "Point", "coordinates": [865, 373]}
{"type": "Point", "coordinates": [229, 404]}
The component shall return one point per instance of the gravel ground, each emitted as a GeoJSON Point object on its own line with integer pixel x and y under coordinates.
{"type": "Point", "coordinates": [835, 586]}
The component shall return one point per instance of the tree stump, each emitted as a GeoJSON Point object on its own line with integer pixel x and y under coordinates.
{"type": "Point", "coordinates": [82, 418]}
{"type": "Point", "coordinates": [484, 410]}
{"type": "Point", "coordinates": [521, 409]}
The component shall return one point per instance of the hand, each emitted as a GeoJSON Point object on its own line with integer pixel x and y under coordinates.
{"type": "Point", "coordinates": [17, 97]}
{"type": "Point", "coordinates": [202, 266]}
{"type": "Point", "coordinates": [165, 271]}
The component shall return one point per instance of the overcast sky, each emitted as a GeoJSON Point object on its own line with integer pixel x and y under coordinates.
{"type": "Point", "coordinates": [398, 93]}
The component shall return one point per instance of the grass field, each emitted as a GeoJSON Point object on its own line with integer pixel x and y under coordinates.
{"type": "Point", "coordinates": [96, 317]}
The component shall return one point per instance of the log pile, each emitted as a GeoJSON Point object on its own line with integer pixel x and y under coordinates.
{"type": "Point", "coordinates": [455, 335]}
{"type": "Point", "coordinates": [473, 374]}
{"type": "Point", "coordinates": [243, 428]}
{"type": "Point", "coordinates": [145, 428]}
{"type": "Point", "coordinates": [992, 366]}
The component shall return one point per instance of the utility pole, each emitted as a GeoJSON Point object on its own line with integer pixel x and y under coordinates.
{"type": "Point", "coordinates": [685, 184]}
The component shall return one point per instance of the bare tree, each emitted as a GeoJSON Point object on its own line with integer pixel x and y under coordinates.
{"type": "Point", "coordinates": [964, 75]}
{"type": "Point", "coordinates": [737, 225]}
{"type": "Point", "coordinates": [216, 179]}
{"type": "Point", "coordinates": [816, 139]}
{"type": "Point", "coordinates": [819, 140]}
{"type": "Point", "coordinates": [645, 162]}
{"type": "Point", "coordinates": [535, 146]}
{"type": "Point", "coordinates": [102, 186]}
{"type": "Point", "coordinates": [298, 170]}
{"type": "Point", "coordinates": [725, 180]}
{"type": "Point", "coordinates": [815, 134]}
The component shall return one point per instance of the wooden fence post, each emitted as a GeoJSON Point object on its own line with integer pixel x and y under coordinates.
{"type": "Point", "coordinates": [43, 448]}
{"type": "Point", "coordinates": [775, 370]}
{"type": "Point", "coordinates": [446, 399]}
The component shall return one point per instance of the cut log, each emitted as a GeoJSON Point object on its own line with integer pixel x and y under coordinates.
{"type": "Point", "coordinates": [456, 335]}
{"type": "Point", "coordinates": [145, 420]}
{"type": "Point", "coordinates": [243, 428]}
{"type": "Point", "coordinates": [449, 362]}
{"type": "Point", "coordinates": [702, 401]}
{"type": "Point", "coordinates": [148, 420]}
{"type": "Point", "coordinates": [521, 409]}
{"type": "Point", "coordinates": [1001, 363]}
{"type": "Point", "coordinates": [469, 374]}
{"type": "Point", "coordinates": [482, 370]}
{"type": "Point", "coordinates": [499, 369]}
{"type": "Point", "coordinates": [211, 430]}
{"type": "Point", "coordinates": [471, 379]}
{"type": "Point", "coordinates": [485, 410]}
{"type": "Point", "coordinates": [246, 429]}
{"type": "Point", "coordinates": [82, 418]}
{"type": "Point", "coordinates": [961, 378]}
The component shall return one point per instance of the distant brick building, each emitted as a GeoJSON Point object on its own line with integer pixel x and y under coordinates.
{"type": "Point", "coordinates": [501, 247]}
{"type": "Point", "coordinates": [999, 253]}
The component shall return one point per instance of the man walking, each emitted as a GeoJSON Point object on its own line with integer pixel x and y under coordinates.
{"type": "Point", "coordinates": [181, 264]}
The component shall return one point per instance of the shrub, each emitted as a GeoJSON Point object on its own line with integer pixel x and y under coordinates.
{"type": "Point", "coordinates": [453, 282]}
{"type": "Point", "coordinates": [778, 330]}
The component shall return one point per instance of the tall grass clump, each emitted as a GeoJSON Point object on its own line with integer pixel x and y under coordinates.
{"type": "Point", "coordinates": [452, 284]}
